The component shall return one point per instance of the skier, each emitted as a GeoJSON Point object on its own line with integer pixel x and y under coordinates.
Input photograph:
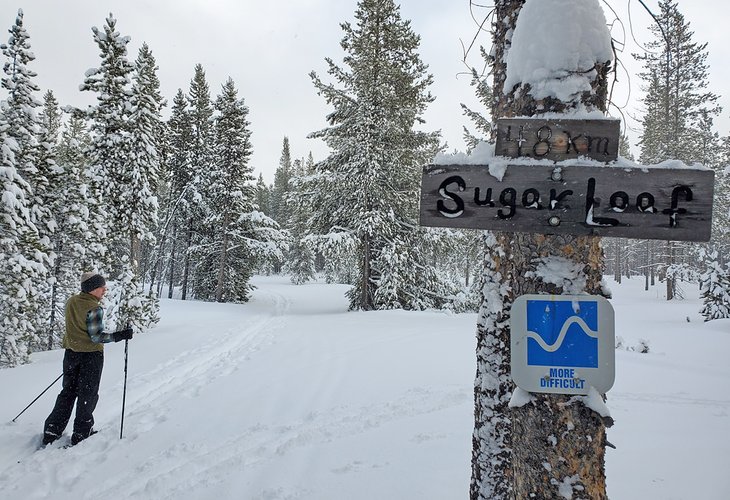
{"type": "Point", "coordinates": [83, 361]}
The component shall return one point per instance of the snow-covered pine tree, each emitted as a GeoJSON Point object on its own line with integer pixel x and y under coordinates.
{"type": "Point", "coordinates": [721, 212]}
{"type": "Point", "coordinates": [20, 112]}
{"type": "Point", "coordinates": [201, 160]}
{"type": "Point", "coordinates": [263, 195]}
{"type": "Point", "coordinates": [366, 191]}
{"type": "Point", "coordinates": [714, 288]}
{"type": "Point", "coordinates": [514, 454]}
{"type": "Point", "coordinates": [280, 211]}
{"type": "Point", "coordinates": [456, 255]}
{"type": "Point", "coordinates": [33, 238]}
{"type": "Point", "coordinates": [300, 259]}
{"type": "Point", "coordinates": [139, 214]}
{"type": "Point", "coordinates": [49, 128]}
{"type": "Point", "coordinates": [280, 189]}
{"type": "Point", "coordinates": [676, 95]}
{"type": "Point", "coordinates": [180, 190]}
{"type": "Point", "coordinates": [17, 266]}
{"type": "Point", "coordinates": [710, 153]}
{"type": "Point", "coordinates": [109, 149]}
{"type": "Point", "coordinates": [238, 234]}
{"type": "Point", "coordinates": [71, 215]}
{"type": "Point", "coordinates": [676, 78]}
{"type": "Point", "coordinates": [120, 171]}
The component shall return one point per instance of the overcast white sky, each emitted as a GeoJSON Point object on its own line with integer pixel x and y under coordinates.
{"type": "Point", "coordinates": [269, 48]}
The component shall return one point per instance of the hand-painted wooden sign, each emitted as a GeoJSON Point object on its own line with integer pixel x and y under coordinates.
{"type": "Point", "coordinates": [557, 139]}
{"type": "Point", "coordinates": [644, 203]}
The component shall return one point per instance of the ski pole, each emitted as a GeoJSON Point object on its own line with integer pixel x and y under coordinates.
{"type": "Point", "coordinates": [37, 398]}
{"type": "Point", "coordinates": [124, 393]}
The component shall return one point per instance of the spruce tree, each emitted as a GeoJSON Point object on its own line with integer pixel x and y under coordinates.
{"type": "Point", "coordinates": [72, 216]}
{"type": "Point", "coordinates": [201, 159]}
{"type": "Point", "coordinates": [721, 209]}
{"type": "Point", "coordinates": [55, 201]}
{"type": "Point", "coordinates": [140, 210]}
{"type": "Point", "coordinates": [239, 234]}
{"type": "Point", "coordinates": [366, 190]}
{"type": "Point", "coordinates": [17, 266]}
{"type": "Point", "coordinates": [300, 259]}
{"type": "Point", "coordinates": [263, 195]}
{"type": "Point", "coordinates": [677, 106]}
{"type": "Point", "coordinates": [676, 78]}
{"type": "Point", "coordinates": [26, 197]}
{"type": "Point", "coordinates": [123, 163]}
{"type": "Point", "coordinates": [714, 288]}
{"type": "Point", "coordinates": [177, 209]}
{"type": "Point", "coordinates": [280, 189]}
{"type": "Point", "coordinates": [110, 146]}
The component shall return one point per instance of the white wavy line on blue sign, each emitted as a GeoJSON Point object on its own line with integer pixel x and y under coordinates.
{"type": "Point", "coordinates": [563, 332]}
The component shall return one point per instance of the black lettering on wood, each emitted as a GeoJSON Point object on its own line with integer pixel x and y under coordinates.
{"type": "Point", "coordinates": [619, 201]}
{"type": "Point", "coordinates": [520, 138]}
{"type": "Point", "coordinates": [598, 141]}
{"type": "Point", "coordinates": [449, 198]}
{"type": "Point", "coordinates": [511, 203]}
{"type": "Point", "coordinates": [675, 210]}
{"type": "Point", "coordinates": [542, 146]}
{"type": "Point", "coordinates": [556, 199]}
{"type": "Point", "coordinates": [591, 204]}
{"type": "Point", "coordinates": [487, 201]}
{"type": "Point", "coordinates": [558, 139]}
{"type": "Point", "coordinates": [531, 199]}
{"type": "Point", "coordinates": [645, 203]}
{"type": "Point", "coordinates": [441, 206]}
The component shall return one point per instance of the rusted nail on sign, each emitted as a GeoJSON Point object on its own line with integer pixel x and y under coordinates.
{"type": "Point", "coordinates": [559, 139]}
{"type": "Point", "coordinates": [645, 203]}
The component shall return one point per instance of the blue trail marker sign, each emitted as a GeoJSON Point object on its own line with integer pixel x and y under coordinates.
{"type": "Point", "coordinates": [563, 344]}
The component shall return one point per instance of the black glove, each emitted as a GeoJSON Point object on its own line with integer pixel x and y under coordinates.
{"type": "Point", "coordinates": [125, 334]}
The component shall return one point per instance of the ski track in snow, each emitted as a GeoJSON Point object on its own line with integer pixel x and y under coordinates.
{"type": "Point", "coordinates": [184, 375]}
{"type": "Point", "coordinates": [189, 372]}
{"type": "Point", "coordinates": [290, 397]}
{"type": "Point", "coordinates": [203, 466]}
{"type": "Point", "coordinates": [188, 469]}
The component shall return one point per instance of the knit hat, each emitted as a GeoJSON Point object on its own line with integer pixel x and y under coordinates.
{"type": "Point", "coordinates": [91, 281]}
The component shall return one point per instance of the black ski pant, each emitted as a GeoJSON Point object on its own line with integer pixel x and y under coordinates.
{"type": "Point", "coordinates": [81, 377]}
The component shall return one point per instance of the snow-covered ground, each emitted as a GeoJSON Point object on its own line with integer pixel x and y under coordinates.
{"type": "Point", "coordinates": [293, 397]}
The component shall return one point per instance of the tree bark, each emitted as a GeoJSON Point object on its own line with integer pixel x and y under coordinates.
{"type": "Point", "coordinates": [223, 261]}
{"type": "Point", "coordinates": [531, 451]}
{"type": "Point", "coordinates": [171, 276]}
{"type": "Point", "coordinates": [668, 275]}
{"type": "Point", "coordinates": [365, 284]}
{"type": "Point", "coordinates": [569, 438]}
{"type": "Point", "coordinates": [186, 266]}
{"type": "Point", "coordinates": [492, 474]}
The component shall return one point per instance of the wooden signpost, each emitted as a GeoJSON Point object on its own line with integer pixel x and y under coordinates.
{"type": "Point", "coordinates": [645, 203]}
{"type": "Point", "coordinates": [558, 139]}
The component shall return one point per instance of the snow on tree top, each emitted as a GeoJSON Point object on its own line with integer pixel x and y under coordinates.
{"type": "Point", "coordinates": [555, 45]}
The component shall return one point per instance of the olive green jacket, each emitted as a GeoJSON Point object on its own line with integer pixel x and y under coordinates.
{"type": "Point", "coordinates": [78, 309]}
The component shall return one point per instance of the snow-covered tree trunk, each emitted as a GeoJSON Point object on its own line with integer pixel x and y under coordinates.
{"type": "Point", "coordinates": [550, 447]}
